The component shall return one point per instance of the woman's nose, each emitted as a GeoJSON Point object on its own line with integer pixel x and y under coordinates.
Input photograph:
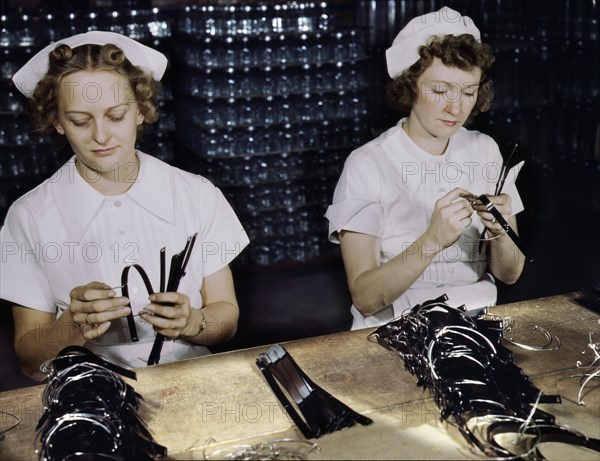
{"type": "Point", "coordinates": [453, 106]}
{"type": "Point", "coordinates": [101, 133]}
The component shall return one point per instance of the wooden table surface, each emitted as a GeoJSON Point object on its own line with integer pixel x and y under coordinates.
{"type": "Point", "coordinates": [223, 400]}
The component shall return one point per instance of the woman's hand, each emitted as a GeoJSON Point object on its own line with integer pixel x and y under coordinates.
{"type": "Point", "coordinates": [170, 314]}
{"type": "Point", "coordinates": [451, 215]}
{"type": "Point", "coordinates": [502, 203]}
{"type": "Point", "coordinates": [94, 305]}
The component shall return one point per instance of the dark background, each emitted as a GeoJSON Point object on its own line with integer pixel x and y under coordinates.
{"type": "Point", "coordinates": [547, 80]}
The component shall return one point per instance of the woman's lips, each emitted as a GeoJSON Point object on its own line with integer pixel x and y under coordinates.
{"type": "Point", "coordinates": [104, 152]}
{"type": "Point", "coordinates": [449, 122]}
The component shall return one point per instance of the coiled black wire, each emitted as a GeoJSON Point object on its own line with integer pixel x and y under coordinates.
{"type": "Point", "coordinates": [90, 412]}
{"type": "Point", "coordinates": [474, 380]}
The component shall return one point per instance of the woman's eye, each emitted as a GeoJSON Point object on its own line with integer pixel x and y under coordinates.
{"type": "Point", "coordinates": [80, 122]}
{"type": "Point", "coordinates": [116, 118]}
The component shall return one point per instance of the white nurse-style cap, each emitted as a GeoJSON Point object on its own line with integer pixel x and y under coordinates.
{"type": "Point", "coordinates": [28, 76]}
{"type": "Point", "coordinates": [404, 52]}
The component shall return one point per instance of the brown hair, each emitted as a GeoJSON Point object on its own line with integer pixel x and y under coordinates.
{"type": "Point", "coordinates": [64, 60]}
{"type": "Point", "coordinates": [461, 51]}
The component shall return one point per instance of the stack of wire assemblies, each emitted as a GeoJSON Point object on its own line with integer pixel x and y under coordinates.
{"type": "Point", "coordinates": [474, 380]}
{"type": "Point", "coordinates": [90, 412]}
{"type": "Point", "coordinates": [322, 412]}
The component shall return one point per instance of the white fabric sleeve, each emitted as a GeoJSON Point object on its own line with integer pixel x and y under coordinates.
{"type": "Point", "coordinates": [222, 235]}
{"type": "Point", "coordinates": [356, 206]}
{"type": "Point", "coordinates": [23, 277]}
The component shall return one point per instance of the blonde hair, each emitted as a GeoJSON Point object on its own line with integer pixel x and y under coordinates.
{"type": "Point", "coordinates": [64, 60]}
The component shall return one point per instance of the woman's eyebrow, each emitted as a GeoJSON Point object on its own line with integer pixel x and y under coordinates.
{"type": "Point", "coordinates": [87, 113]}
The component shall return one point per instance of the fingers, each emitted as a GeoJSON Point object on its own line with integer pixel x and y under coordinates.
{"type": "Point", "coordinates": [91, 291]}
{"type": "Point", "coordinates": [457, 213]}
{"type": "Point", "coordinates": [94, 331]}
{"type": "Point", "coordinates": [169, 313]}
{"type": "Point", "coordinates": [96, 317]}
{"type": "Point", "coordinates": [169, 327]}
{"type": "Point", "coordinates": [171, 297]}
{"type": "Point", "coordinates": [453, 195]}
{"type": "Point", "coordinates": [94, 306]}
{"type": "Point", "coordinates": [502, 203]}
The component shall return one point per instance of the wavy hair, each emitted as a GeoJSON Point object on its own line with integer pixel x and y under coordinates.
{"type": "Point", "coordinates": [64, 60]}
{"type": "Point", "coordinates": [461, 51]}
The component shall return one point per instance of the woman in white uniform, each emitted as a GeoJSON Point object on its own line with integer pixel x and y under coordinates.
{"type": "Point", "coordinates": [65, 243]}
{"type": "Point", "coordinates": [403, 209]}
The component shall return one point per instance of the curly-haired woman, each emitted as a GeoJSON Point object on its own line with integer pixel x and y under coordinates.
{"type": "Point", "coordinates": [66, 243]}
{"type": "Point", "coordinates": [402, 210]}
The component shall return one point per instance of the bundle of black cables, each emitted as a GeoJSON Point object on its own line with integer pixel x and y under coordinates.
{"type": "Point", "coordinates": [91, 413]}
{"type": "Point", "coordinates": [320, 412]}
{"type": "Point", "coordinates": [474, 380]}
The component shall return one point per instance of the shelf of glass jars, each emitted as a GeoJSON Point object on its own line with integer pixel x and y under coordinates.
{"type": "Point", "coordinates": [249, 142]}
{"type": "Point", "coordinates": [16, 128]}
{"type": "Point", "coordinates": [11, 60]}
{"type": "Point", "coordinates": [270, 51]}
{"type": "Point", "coordinates": [287, 250]}
{"type": "Point", "coordinates": [533, 126]}
{"type": "Point", "coordinates": [11, 100]}
{"type": "Point", "coordinates": [272, 111]}
{"type": "Point", "coordinates": [541, 20]}
{"type": "Point", "coordinates": [32, 160]}
{"type": "Point", "coordinates": [285, 195]}
{"type": "Point", "coordinates": [525, 75]}
{"type": "Point", "coordinates": [39, 28]}
{"type": "Point", "coordinates": [289, 222]}
{"type": "Point", "coordinates": [254, 19]}
{"type": "Point", "coordinates": [270, 81]}
{"type": "Point", "coordinates": [278, 168]}
{"type": "Point", "coordinates": [581, 67]}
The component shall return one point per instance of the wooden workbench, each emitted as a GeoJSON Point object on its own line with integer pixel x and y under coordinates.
{"type": "Point", "coordinates": [224, 397]}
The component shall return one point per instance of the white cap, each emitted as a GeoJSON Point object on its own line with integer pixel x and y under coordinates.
{"type": "Point", "coordinates": [404, 52]}
{"type": "Point", "coordinates": [28, 76]}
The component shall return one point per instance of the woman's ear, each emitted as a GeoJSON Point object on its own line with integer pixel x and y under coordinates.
{"type": "Point", "coordinates": [140, 117]}
{"type": "Point", "coordinates": [59, 128]}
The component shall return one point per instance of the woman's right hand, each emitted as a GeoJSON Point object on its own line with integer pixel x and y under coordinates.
{"type": "Point", "coordinates": [94, 305]}
{"type": "Point", "coordinates": [451, 215]}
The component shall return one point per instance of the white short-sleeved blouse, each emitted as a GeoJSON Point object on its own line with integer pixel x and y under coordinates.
{"type": "Point", "coordinates": [388, 189]}
{"type": "Point", "coordinates": [64, 233]}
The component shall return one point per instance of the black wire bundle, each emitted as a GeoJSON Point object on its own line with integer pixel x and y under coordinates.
{"type": "Point", "coordinates": [322, 412]}
{"type": "Point", "coordinates": [90, 412]}
{"type": "Point", "coordinates": [179, 262]}
{"type": "Point", "coordinates": [474, 380]}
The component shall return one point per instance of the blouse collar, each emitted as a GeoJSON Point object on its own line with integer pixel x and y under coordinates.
{"type": "Point", "coordinates": [79, 203]}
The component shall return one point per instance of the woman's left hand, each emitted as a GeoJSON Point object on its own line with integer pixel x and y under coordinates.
{"type": "Point", "coordinates": [502, 203]}
{"type": "Point", "coordinates": [170, 314]}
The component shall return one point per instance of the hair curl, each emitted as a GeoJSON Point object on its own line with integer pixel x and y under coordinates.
{"type": "Point", "coordinates": [461, 51]}
{"type": "Point", "coordinates": [64, 60]}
